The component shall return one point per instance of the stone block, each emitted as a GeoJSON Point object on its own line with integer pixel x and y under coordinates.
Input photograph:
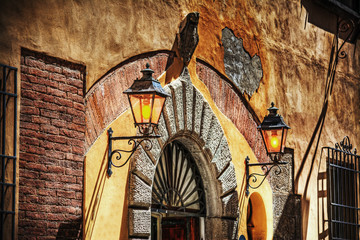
{"type": "Point", "coordinates": [217, 228]}
{"type": "Point", "coordinates": [228, 179]}
{"type": "Point", "coordinates": [230, 205]}
{"type": "Point", "coordinates": [215, 135]}
{"type": "Point", "coordinates": [168, 113]}
{"type": "Point", "coordinates": [287, 216]}
{"type": "Point", "coordinates": [198, 104]}
{"type": "Point", "coordinates": [139, 223]}
{"type": "Point", "coordinates": [207, 116]}
{"type": "Point", "coordinates": [155, 151]}
{"type": "Point", "coordinates": [139, 192]}
{"type": "Point", "coordinates": [143, 164]}
{"type": "Point", "coordinates": [188, 89]}
{"type": "Point", "coordinates": [222, 156]}
{"type": "Point", "coordinates": [177, 92]}
{"type": "Point", "coordinates": [162, 130]}
{"type": "Point", "coordinates": [283, 183]}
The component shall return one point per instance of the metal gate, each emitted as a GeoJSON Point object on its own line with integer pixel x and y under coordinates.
{"type": "Point", "coordinates": [343, 195]}
{"type": "Point", "coordinates": [8, 119]}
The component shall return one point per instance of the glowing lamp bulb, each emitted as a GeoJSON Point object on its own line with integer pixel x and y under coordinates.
{"type": "Point", "coordinates": [274, 142]}
{"type": "Point", "coordinates": [146, 111]}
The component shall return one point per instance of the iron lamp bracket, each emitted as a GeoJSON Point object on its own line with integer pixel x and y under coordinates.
{"type": "Point", "coordinates": [134, 141]}
{"type": "Point", "coordinates": [252, 179]}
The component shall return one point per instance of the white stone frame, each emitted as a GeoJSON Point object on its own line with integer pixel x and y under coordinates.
{"type": "Point", "coordinates": [188, 118]}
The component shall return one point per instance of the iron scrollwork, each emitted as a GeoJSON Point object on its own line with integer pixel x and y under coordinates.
{"type": "Point", "coordinates": [266, 167]}
{"type": "Point", "coordinates": [135, 141]}
{"type": "Point", "coordinates": [345, 146]}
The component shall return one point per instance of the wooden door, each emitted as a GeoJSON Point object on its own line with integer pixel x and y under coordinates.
{"type": "Point", "coordinates": [180, 228]}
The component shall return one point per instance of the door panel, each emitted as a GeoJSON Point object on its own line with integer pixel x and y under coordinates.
{"type": "Point", "coordinates": [180, 228]}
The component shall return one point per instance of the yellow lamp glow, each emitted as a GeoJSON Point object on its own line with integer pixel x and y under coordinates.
{"type": "Point", "coordinates": [274, 141]}
{"type": "Point", "coordinates": [146, 111]}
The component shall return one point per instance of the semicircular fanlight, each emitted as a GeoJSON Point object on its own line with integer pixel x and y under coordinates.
{"type": "Point", "coordinates": [177, 182]}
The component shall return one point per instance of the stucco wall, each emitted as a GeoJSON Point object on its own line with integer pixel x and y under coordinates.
{"type": "Point", "coordinates": [294, 57]}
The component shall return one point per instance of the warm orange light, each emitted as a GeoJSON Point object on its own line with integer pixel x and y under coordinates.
{"type": "Point", "coordinates": [274, 142]}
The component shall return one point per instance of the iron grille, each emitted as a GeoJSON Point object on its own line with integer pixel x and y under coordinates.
{"type": "Point", "coordinates": [343, 193]}
{"type": "Point", "coordinates": [178, 186]}
{"type": "Point", "coordinates": [8, 117]}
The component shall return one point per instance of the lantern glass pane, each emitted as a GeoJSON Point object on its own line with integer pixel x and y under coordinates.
{"type": "Point", "coordinates": [158, 106]}
{"type": "Point", "coordinates": [284, 139]}
{"type": "Point", "coordinates": [272, 140]}
{"type": "Point", "coordinates": [141, 105]}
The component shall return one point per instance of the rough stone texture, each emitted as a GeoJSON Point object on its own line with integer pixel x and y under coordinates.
{"type": "Point", "coordinates": [52, 139]}
{"type": "Point", "coordinates": [214, 138]}
{"type": "Point", "coordinates": [230, 205]}
{"type": "Point", "coordinates": [143, 165]}
{"type": "Point", "coordinates": [139, 223]}
{"type": "Point", "coordinates": [177, 93]}
{"type": "Point", "coordinates": [222, 156]}
{"type": "Point", "coordinates": [189, 99]}
{"type": "Point", "coordinates": [218, 228]}
{"type": "Point", "coordinates": [228, 179]}
{"type": "Point", "coordinates": [283, 183]}
{"type": "Point", "coordinates": [289, 221]}
{"type": "Point", "coordinates": [286, 204]}
{"type": "Point", "coordinates": [140, 192]}
{"type": "Point", "coordinates": [162, 130]}
{"type": "Point", "coordinates": [155, 151]}
{"type": "Point", "coordinates": [244, 71]}
{"type": "Point", "coordinates": [168, 113]}
{"type": "Point", "coordinates": [105, 100]}
{"type": "Point", "coordinates": [206, 119]}
{"type": "Point", "coordinates": [198, 109]}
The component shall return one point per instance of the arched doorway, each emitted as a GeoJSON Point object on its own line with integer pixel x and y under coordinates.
{"type": "Point", "coordinates": [178, 198]}
{"type": "Point", "coordinates": [256, 218]}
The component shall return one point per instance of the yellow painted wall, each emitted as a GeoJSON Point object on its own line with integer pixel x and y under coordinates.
{"type": "Point", "coordinates": [294, 57]}
{"type": "Point", "coordinates": [105, 199]}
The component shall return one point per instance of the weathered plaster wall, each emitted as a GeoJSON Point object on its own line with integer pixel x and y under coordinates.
{"type": "Point", "coordinates": [97, 33]}
{"type": "Point", "coordinates": [294, 58]}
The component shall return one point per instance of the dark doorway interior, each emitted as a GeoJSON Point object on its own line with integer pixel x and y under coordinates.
{"type": "Point", "coordinates": [180, 228]}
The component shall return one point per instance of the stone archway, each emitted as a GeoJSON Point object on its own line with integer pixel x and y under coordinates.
{"type": "Point", "coordinates": [188, 118]}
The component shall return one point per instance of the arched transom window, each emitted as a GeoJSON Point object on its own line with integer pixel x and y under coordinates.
{"type": "Point", "coordinates": [178, 187]}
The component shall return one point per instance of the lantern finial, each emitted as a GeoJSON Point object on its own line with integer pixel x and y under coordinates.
{"type": "Point", "coordinates": [273, 110]}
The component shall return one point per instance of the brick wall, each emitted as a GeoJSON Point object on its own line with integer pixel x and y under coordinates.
{"type": "Point", "coordinates": [105, 100]}
{"type": "Point", "coordinates": [52, 135]}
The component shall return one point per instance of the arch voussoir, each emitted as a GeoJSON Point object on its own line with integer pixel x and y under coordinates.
{"type": "Point", "coordinates": [177, 95]}
{"type": "Point", "coordinates": [222, 156]}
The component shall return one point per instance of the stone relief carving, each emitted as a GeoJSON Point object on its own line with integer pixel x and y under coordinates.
{"type": "Point", "coordinates": [188, 37]}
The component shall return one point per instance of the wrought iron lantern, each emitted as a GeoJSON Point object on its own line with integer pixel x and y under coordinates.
{"type": "Point", "coordinates": [147, 99]}
{"type": "Point", "coordinates": [273, 131]}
